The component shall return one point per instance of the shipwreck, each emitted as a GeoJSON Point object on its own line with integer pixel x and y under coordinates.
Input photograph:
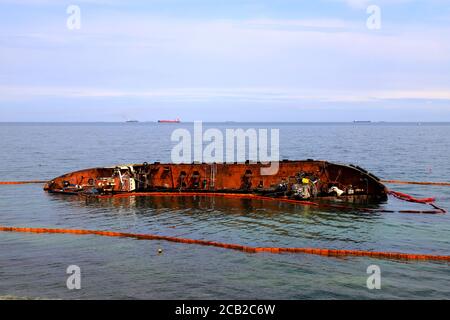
{"type": "Point", "coordinates": [300, 180]}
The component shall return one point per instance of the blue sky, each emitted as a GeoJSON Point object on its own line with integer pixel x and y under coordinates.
{"type": "Point", "coordinates": [218, 60]}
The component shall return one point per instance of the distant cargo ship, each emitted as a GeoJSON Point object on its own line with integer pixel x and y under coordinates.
{"type": "Point", "coordinates": [362, 121]}
{"type": "Point", "coordinates": [170, 121]}
{"type": "Point", "coordinates": [131, 121]}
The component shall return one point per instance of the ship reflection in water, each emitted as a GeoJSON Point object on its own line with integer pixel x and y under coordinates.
{"type": "Point", "coordinates": [227, 206]}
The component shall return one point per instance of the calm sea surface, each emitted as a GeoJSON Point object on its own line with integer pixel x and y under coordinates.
{"type": "Point", "coordinates": [34, 265]}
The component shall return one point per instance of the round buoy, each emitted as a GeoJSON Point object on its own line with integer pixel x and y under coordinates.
{"type": "Point", "coordinates": [160, 251]}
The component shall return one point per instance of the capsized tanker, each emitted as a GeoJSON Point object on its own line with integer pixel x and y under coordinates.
{"type": "Point", "coordinates": [304, 180]}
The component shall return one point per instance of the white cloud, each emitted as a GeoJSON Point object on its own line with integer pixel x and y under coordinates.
{"type": "Point", "coordinates": [357, 3]}
{"type": "Point", "coordinates": [331, 60]}
{"type": "Point", "coordinates": [362, 4]}
{"type": "Point", "coordinates": [254, 94]}
{"type": "Point", "coordinates": [324, 24]}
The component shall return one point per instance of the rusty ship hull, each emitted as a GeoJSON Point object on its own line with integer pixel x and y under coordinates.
{"type": "Point", "coordinates": [306, 179]}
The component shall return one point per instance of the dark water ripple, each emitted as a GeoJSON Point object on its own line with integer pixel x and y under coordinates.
{"type": "Point", "coordinates": [33, 265]}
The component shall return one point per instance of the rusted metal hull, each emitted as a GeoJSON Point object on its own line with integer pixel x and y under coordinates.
{"type": "Point", "coordinates": [307, 179]}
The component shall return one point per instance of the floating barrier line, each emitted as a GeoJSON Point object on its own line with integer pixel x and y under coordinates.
{"type": "Point", "coordinates": [383, 181]}
{"type": "Point", "coordinates": [399, 195]}
{"type": "Point", "coordinates": [249, 249]}
{"type": "Point", "coordinates": [409, 198]}
{"type": "Point", "coordinates": [417, 182]}
{"type": "Point", "coordinates": [257, 197]}
{"type": "Point", "coordinates": [206, 194]}
{"type": "Point", "coordinates": [21, 182]}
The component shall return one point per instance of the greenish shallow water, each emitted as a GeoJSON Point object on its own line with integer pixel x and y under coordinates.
{"type": "Point", "coordinates": [34, 265]}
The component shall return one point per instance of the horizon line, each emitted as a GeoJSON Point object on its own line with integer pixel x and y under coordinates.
{"type": "Point", "coordinates": [228, 121]}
